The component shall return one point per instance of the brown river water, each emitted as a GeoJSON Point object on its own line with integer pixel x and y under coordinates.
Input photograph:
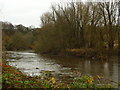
{"type": "Point", "coordinates": [33, 64]}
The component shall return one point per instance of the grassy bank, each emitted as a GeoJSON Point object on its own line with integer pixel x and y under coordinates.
{"type": "Point", "coordinates": [13, 78]}
{"type": "Point", "coordinates": [93, 53]}
{"type": "Point", "coordinates": [97, 54]}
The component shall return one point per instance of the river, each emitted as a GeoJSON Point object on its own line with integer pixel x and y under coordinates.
{"type": "Point", "coordinates": [32, 64]}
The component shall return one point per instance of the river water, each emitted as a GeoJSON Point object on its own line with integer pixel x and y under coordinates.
{"type": "Point", "coordinates": [32, 64]}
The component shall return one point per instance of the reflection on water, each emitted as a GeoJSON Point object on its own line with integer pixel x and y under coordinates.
{"type": "Point", "coordinates": [32, 64]}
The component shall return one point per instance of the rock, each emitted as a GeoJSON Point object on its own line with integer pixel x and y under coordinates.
{"type": "Point", "coordinates": [37, 68]}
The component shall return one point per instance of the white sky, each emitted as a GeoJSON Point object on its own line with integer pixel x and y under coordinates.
{"type": "Point", "coordinates": [26, 12]}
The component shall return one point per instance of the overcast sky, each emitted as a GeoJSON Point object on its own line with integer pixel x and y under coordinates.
{"type": "Point", "coordinates": [26, 12]}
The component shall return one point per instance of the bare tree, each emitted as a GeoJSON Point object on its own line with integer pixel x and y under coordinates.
{"type": "Point", "coordinates": [109, 10]}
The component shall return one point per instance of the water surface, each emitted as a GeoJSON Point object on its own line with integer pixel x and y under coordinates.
{"type": "Point", "coordinates": [32, 64]}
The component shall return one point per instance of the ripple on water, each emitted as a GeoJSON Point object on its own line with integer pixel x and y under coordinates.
{"type": "Point", "coordinates": [29, 61]}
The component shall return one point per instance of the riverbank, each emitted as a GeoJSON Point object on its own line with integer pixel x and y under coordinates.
{"type": "Point", "coordinates": [13, 78]}
{"type": "Point", "coordinates": [89, 53]}
{"type": "Point", "coordinates": [99, 54]}
{"type": "Point", "coordinates": [93, 54]}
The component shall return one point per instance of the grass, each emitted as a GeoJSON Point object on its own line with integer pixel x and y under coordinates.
{"type": "Point", "coordinates": [13, 78]}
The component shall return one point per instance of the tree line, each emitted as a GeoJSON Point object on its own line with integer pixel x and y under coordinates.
{"type": "Point", "coordinates": [80, 25]}
{"type": "Point", "coordinates": [17, 37]}
{"type": "Point", "coordinates": [68, 26]}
